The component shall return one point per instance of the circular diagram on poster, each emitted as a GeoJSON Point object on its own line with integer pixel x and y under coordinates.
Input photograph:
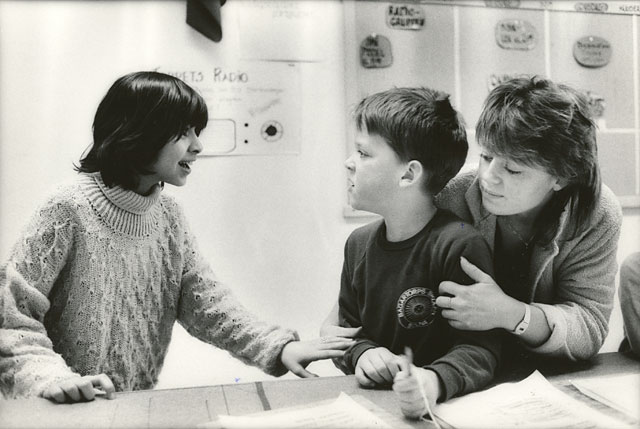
{"type": "Point", "coordinates": [271, 131]}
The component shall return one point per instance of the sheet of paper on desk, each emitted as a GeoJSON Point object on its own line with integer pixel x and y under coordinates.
{"type": "Point", "coordinates": [344, 412]}
{"type": "Point", "coordinates": [530, 403]}
{"type": "Point", "coordinates": [621, 392]}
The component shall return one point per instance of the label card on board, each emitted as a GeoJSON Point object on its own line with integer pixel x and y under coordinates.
{"type": "Point", "coordinates": [516, 34]}
{"type": "Point", "coordinates": [592, 51]}
{"type": "Point", "coordinates": [405, 16]}
{"type": "Point", "coordinates": [375, 52]}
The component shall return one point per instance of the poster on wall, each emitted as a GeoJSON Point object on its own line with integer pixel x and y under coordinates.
{"type": "Point", "coordinates": [254, 106]}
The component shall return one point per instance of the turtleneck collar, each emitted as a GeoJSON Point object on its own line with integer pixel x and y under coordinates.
{"type": "Point", "coordinates": [123, 209]}
{"type": "Point", "coordinates": [128, 200]}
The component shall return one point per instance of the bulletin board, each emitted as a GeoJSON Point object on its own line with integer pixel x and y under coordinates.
{"type": "Point", "coordinates": [465, 48]}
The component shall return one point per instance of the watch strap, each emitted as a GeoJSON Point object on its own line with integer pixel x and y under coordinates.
{"type": "Point", "coordinates": [524, 323]}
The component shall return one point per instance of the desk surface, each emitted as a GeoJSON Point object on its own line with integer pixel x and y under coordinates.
{"type": "Point", "coordinates": [179, 408]}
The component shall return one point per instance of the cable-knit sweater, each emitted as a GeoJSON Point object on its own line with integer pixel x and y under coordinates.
{"type": "Point", "coordinates": [95, 284]}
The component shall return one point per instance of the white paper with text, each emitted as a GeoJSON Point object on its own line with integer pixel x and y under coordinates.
{"type": "Point", "coordinates": [531, 403]}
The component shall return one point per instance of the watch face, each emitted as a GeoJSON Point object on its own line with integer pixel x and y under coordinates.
{"type": "Point", "coordinates": [416, 308]}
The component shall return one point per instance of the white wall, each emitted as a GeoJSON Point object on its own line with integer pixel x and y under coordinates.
{"type": "Point", "coordinates": [272, 227]}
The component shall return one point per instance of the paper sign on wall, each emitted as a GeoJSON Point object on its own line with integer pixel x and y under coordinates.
{"type": "Point", "coordinates": [405, 17]}
{"type": "Point", "coordinates": [254, 107]}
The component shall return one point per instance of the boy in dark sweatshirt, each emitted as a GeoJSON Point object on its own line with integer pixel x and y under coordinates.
{"type": "Point", "coordinates": [409, 143]}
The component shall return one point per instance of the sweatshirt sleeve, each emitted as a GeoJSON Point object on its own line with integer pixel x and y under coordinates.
{"type": "Point", "coordinates": [209, 311]}
{"type": "Point", "coordinates": [349, 317]}
{"type": "Point", "coordinates": [349, 312]}
{"type": "Point", "coordinates": [584, 289]}
{"type": "Point", "coordinates": [28, 363]}
{"type": "Point", "coordinates": [472, 361]}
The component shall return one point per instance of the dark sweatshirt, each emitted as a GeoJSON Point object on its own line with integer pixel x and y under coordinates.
{"type": "Point", "coordinates": [389, 288]}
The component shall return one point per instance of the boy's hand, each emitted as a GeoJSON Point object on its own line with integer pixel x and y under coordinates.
{"type": "Point", "coordinates": [80, 389]}
{"type": "Point", "coordinates": [296, 355]}
{"type": "Point", "coordinates": [376, 366]}
{"type": "Point", "coordinates": [406, 385]}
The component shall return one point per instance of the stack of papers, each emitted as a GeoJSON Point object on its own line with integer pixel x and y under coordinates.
{"type": "Point", "coordinates": [343, 412]}
{"type": "Point", "coordinates": [530, 403]}
{"type": "Point", "coordinates": [621, 392]}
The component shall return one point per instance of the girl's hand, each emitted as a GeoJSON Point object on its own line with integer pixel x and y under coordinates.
{"type": "Point", "coordinates": [406, 385]}
{"type": "Point", "coordinates": [331, 326]}
{"type": "Point", "coordinates": [477, 307]}
{"type": "Point", "coordinates": [376, 366]}
{"type": "Point", "coordinates": [296, 355]}
{"type": "Point", "coordinates": [339, 331]}
{"type": "Point", "coordinates": [80, 389]}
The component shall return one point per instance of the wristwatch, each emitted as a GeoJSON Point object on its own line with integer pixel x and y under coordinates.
{"type": "Point", "coordinates": [524, 323]}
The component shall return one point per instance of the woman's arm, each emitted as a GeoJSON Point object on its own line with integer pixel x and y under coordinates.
{"type": "Point", "coordinates": [580, 290]}
{"type": "Point", "coordinates": [584, 288]}
{"type": "Point", "coordinates": [483, 306]}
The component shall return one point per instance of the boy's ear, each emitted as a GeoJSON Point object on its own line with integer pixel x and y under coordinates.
{"type": "Point", "coordinates": [413, 173]}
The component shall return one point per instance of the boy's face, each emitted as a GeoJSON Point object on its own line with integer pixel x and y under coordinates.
{"type": "Point", "coordinates": [375, 171]}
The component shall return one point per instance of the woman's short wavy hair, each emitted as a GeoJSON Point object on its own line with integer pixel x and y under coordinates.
{"type": "Point", "coordinates": [539, 123]}
{"type": "Point", "coordinates": [141, 112]}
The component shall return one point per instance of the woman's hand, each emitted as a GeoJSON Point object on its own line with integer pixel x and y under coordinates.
{"type": "Point", "coordinates": [80, 389]}
{"type": "Point", "coordinates": [480, 306]}
{"type": "Point", "coordinates": [296, 355]}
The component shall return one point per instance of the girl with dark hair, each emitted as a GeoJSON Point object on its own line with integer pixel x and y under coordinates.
{"type": "Point", "coordinates": [104, 268]}
{"type": "Point", "coordinates": [553, 227]}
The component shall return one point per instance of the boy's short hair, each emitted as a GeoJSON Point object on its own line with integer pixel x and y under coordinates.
{"type": "Point", "coordinates": [140, 113]}
{"type": "Point", "coordinates": [418, 124]}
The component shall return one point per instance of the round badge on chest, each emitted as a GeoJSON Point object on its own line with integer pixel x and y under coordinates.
{"type": "Point", "coordinates": [416, 308]}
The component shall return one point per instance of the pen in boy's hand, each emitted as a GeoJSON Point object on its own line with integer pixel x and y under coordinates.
{"type": "Point", "coordinates": [408, 355]}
